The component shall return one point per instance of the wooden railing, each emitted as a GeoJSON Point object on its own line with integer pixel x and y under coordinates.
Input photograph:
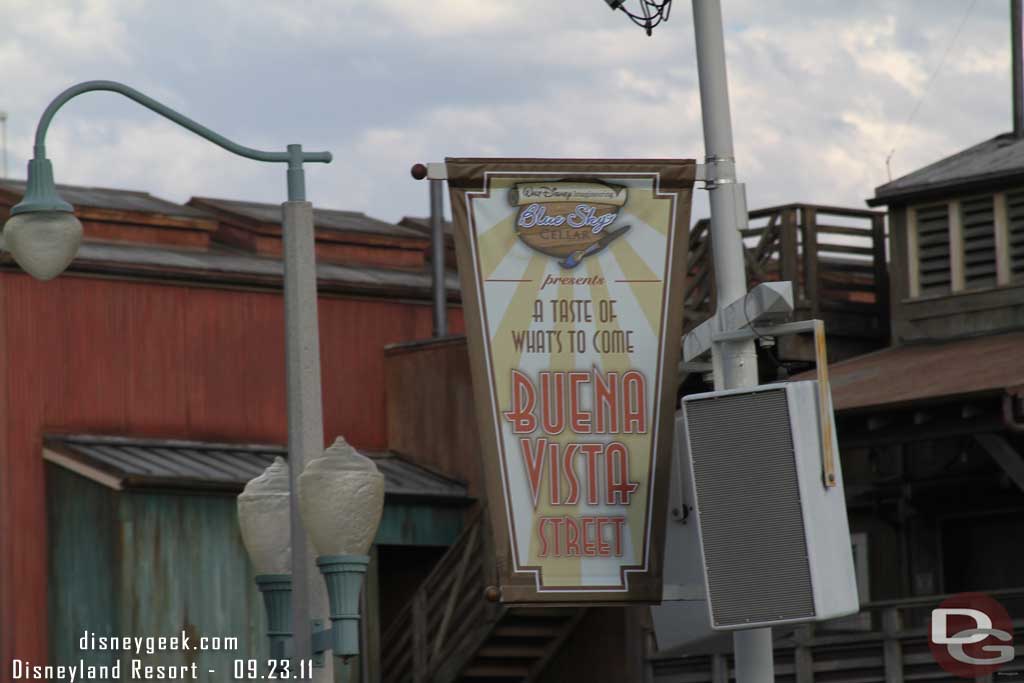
{"type": "Point", "coordinates": [834, 256]}
{"type": "Point", "coordinates": [886, 643]}
{"type": "Point", "coordinates": [446, 613]}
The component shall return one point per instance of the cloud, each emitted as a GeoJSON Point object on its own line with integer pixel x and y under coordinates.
{"type": "Point", "coordinates": [820, 92]}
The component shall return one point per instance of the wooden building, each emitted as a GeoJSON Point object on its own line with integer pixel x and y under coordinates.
{"type": "Point", "coordinates": [168, 331]}
{"type": "Point", "coordinates": [931, 431]}
{"type": "Point", "coordinates": [133, 380]}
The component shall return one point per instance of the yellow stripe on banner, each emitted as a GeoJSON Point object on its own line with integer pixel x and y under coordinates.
{"type": "Point", "coordinates": [645, 283]}
{"type": "Point", "coordinates": [494, 245]}
{"type": "Point", "coordinates": [642, 205]}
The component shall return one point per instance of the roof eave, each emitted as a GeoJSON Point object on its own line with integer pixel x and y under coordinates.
{"type": "Point", "coordinates": [920, 193]}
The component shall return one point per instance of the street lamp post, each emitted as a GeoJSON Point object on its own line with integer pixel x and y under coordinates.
{"type": "Point", "coordinates": [43, 236]}
{"type": "Point", "coordinates": [734, 362]}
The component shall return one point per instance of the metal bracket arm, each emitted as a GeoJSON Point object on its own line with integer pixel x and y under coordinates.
{"type": "Point", "coordinates": [321, 641]}
{"type": "Point", "coordinates": [166, 112]}
{"type": "Point", "coordinates": [816, 327]}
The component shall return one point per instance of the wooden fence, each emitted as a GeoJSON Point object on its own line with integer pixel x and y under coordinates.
{"type": "Point", "coordinates": [886, 643]}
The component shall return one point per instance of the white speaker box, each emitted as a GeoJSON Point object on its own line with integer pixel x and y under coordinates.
{"type": "Point", "coordinates": [774, 538]}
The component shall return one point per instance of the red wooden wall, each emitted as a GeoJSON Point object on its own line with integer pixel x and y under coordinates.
{"type": "Point", "coordinates": [82, 354]}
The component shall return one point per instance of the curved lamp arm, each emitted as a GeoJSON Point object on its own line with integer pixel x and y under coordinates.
{"type": "Point", "coordinates": [166, 112]}
{"type": "Point", "coordinates": [294, 156]}
{"type": "Point", "coordinates": [42, 232]}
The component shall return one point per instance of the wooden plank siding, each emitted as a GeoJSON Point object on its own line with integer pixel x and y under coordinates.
{"type": "Point", "coordinates": [947, 310]}
{"type": "Point", "coordinates": [430, 408]}
{"type": "Point", "coordinates": [141, 564]}
{"type": "Point", "coordinates": [104, 356]}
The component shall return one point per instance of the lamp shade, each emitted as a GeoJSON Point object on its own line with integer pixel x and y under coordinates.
{"type": "Point", "coordinates": [43, 243]}
{"type": "Point", "coordinates": [42, 233]}
{"type": "Point", "coordinates": [264, 520]}
{"type": "Point", "coordinates": [341, 499]}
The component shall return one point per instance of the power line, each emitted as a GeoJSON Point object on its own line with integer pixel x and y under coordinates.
{"type": "Point", "coordinates": [927, 87]}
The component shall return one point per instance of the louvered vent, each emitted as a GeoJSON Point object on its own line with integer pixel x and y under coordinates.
{"type": "Point", "coordinates": [1015, 227]}
{"type": "Point", "coordinates": [979, 232]}
{"type": "Point", "coordinates": [933, 249]}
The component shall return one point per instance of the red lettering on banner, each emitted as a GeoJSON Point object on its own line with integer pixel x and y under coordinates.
{"type": "Point", "coordinates": [588, 536]}
{"type": "Point", "coordinates": [569, 472]}
{"type": "Point", "coordinates": [591, 451]}
{"type": "Point", "coordinates": [579, 419]}
{"type": "Point", "coordinates": [533, 459]}
{"type": "Point", "coordinates": [606, 415]}
{"type": "Point", "coordinates": [620, 488]}
{"type": "Point", "coordinates": [552, 401]}
{"type": "Point", "coordinates": [634, 400]}
{"type": "Point", "coordinates": [618, 402]}
{"type": "Point", "coordinates": [523, 399]}
{"type": "Point", "coordinates": [554, 480]}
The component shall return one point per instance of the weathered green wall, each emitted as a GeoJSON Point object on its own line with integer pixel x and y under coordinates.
{"type": "Point", "coordinates": [156, 564]}
{"type": "Point", "coordinates": [149, 564]}
{"type": "Point", "coordinates": [83, 590]}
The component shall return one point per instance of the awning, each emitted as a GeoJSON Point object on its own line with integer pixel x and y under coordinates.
{"type": "Point", "coordinates": [902, 375]}
{"type": "Point", "coordinates": [126, 463]}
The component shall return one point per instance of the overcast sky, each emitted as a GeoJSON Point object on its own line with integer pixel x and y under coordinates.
{"type": "Point", "coordinates": [821, 90]}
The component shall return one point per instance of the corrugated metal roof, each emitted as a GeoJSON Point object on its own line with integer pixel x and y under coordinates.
{"type": "Point", "coordinates": [995, 161]}
{"type": "Point", "coordinates": [133, 463]}
{"type": "Point", "coordinates": [106, 198]}
{"type": "Point", "coordinates": [325, 219]}
{"type": "Point", "coordinates": [155, 259]}
{"type": "Point", "coordinates": [902, 375]}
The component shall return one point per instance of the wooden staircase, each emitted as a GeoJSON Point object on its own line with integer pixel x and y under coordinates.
{"type": "Point", "coordinates": [450, 632]}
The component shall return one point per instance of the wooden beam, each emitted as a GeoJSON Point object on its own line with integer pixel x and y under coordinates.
{"type": "Point", "coordinates": [1005, 455]}
{"type": "Point", "coordinates": [809, 219]}
{"type": "Point", "coordinates": [787, 254]}
{"type": "Point", "coordinates": [892, 625]}
{"type": "Point", "coordinates": [956, 246]}
{"type": "Point", "coordinates": [1004, 272]}
{"type": "Point", "coordinates": [913, 254]}
{"type": "Point", "coordinates": [881, 274]}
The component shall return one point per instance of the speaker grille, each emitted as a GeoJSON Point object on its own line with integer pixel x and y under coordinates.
{"type": "Point", "coordinates": [750, 514]}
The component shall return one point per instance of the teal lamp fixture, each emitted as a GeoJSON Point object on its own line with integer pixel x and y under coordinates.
{"type": "Point", "coordinates": [42, 232]}
{"type": "Point", "coordinates": [341, 499]}
{"type": "Point", "coordinates": [264, 520]}
{"type": "Point", "coordinates": [43, 236]}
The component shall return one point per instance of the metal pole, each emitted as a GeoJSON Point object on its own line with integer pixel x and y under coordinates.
{"type": "Point", "coordinates": [3, 123]}
{"type": "Point", "coordinates": [305, 410]}
{"type": "Point", "coordinates": [438, 247]}
{"type": "Point", "coordinates": [1018, 67]}
{"type": "Point", "coordinates": [735, 363]}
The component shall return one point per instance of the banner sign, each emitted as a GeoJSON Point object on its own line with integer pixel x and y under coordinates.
{"type": "Point", "coordinates": [572, 275]}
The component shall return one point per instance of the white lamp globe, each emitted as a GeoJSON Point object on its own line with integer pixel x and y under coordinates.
{"type": "Point", "coordinates": [263, 518]}
{"type": "Point", "coordinates": [43, 242]}
{"type": "Point", "coordinates": [341, 499]}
